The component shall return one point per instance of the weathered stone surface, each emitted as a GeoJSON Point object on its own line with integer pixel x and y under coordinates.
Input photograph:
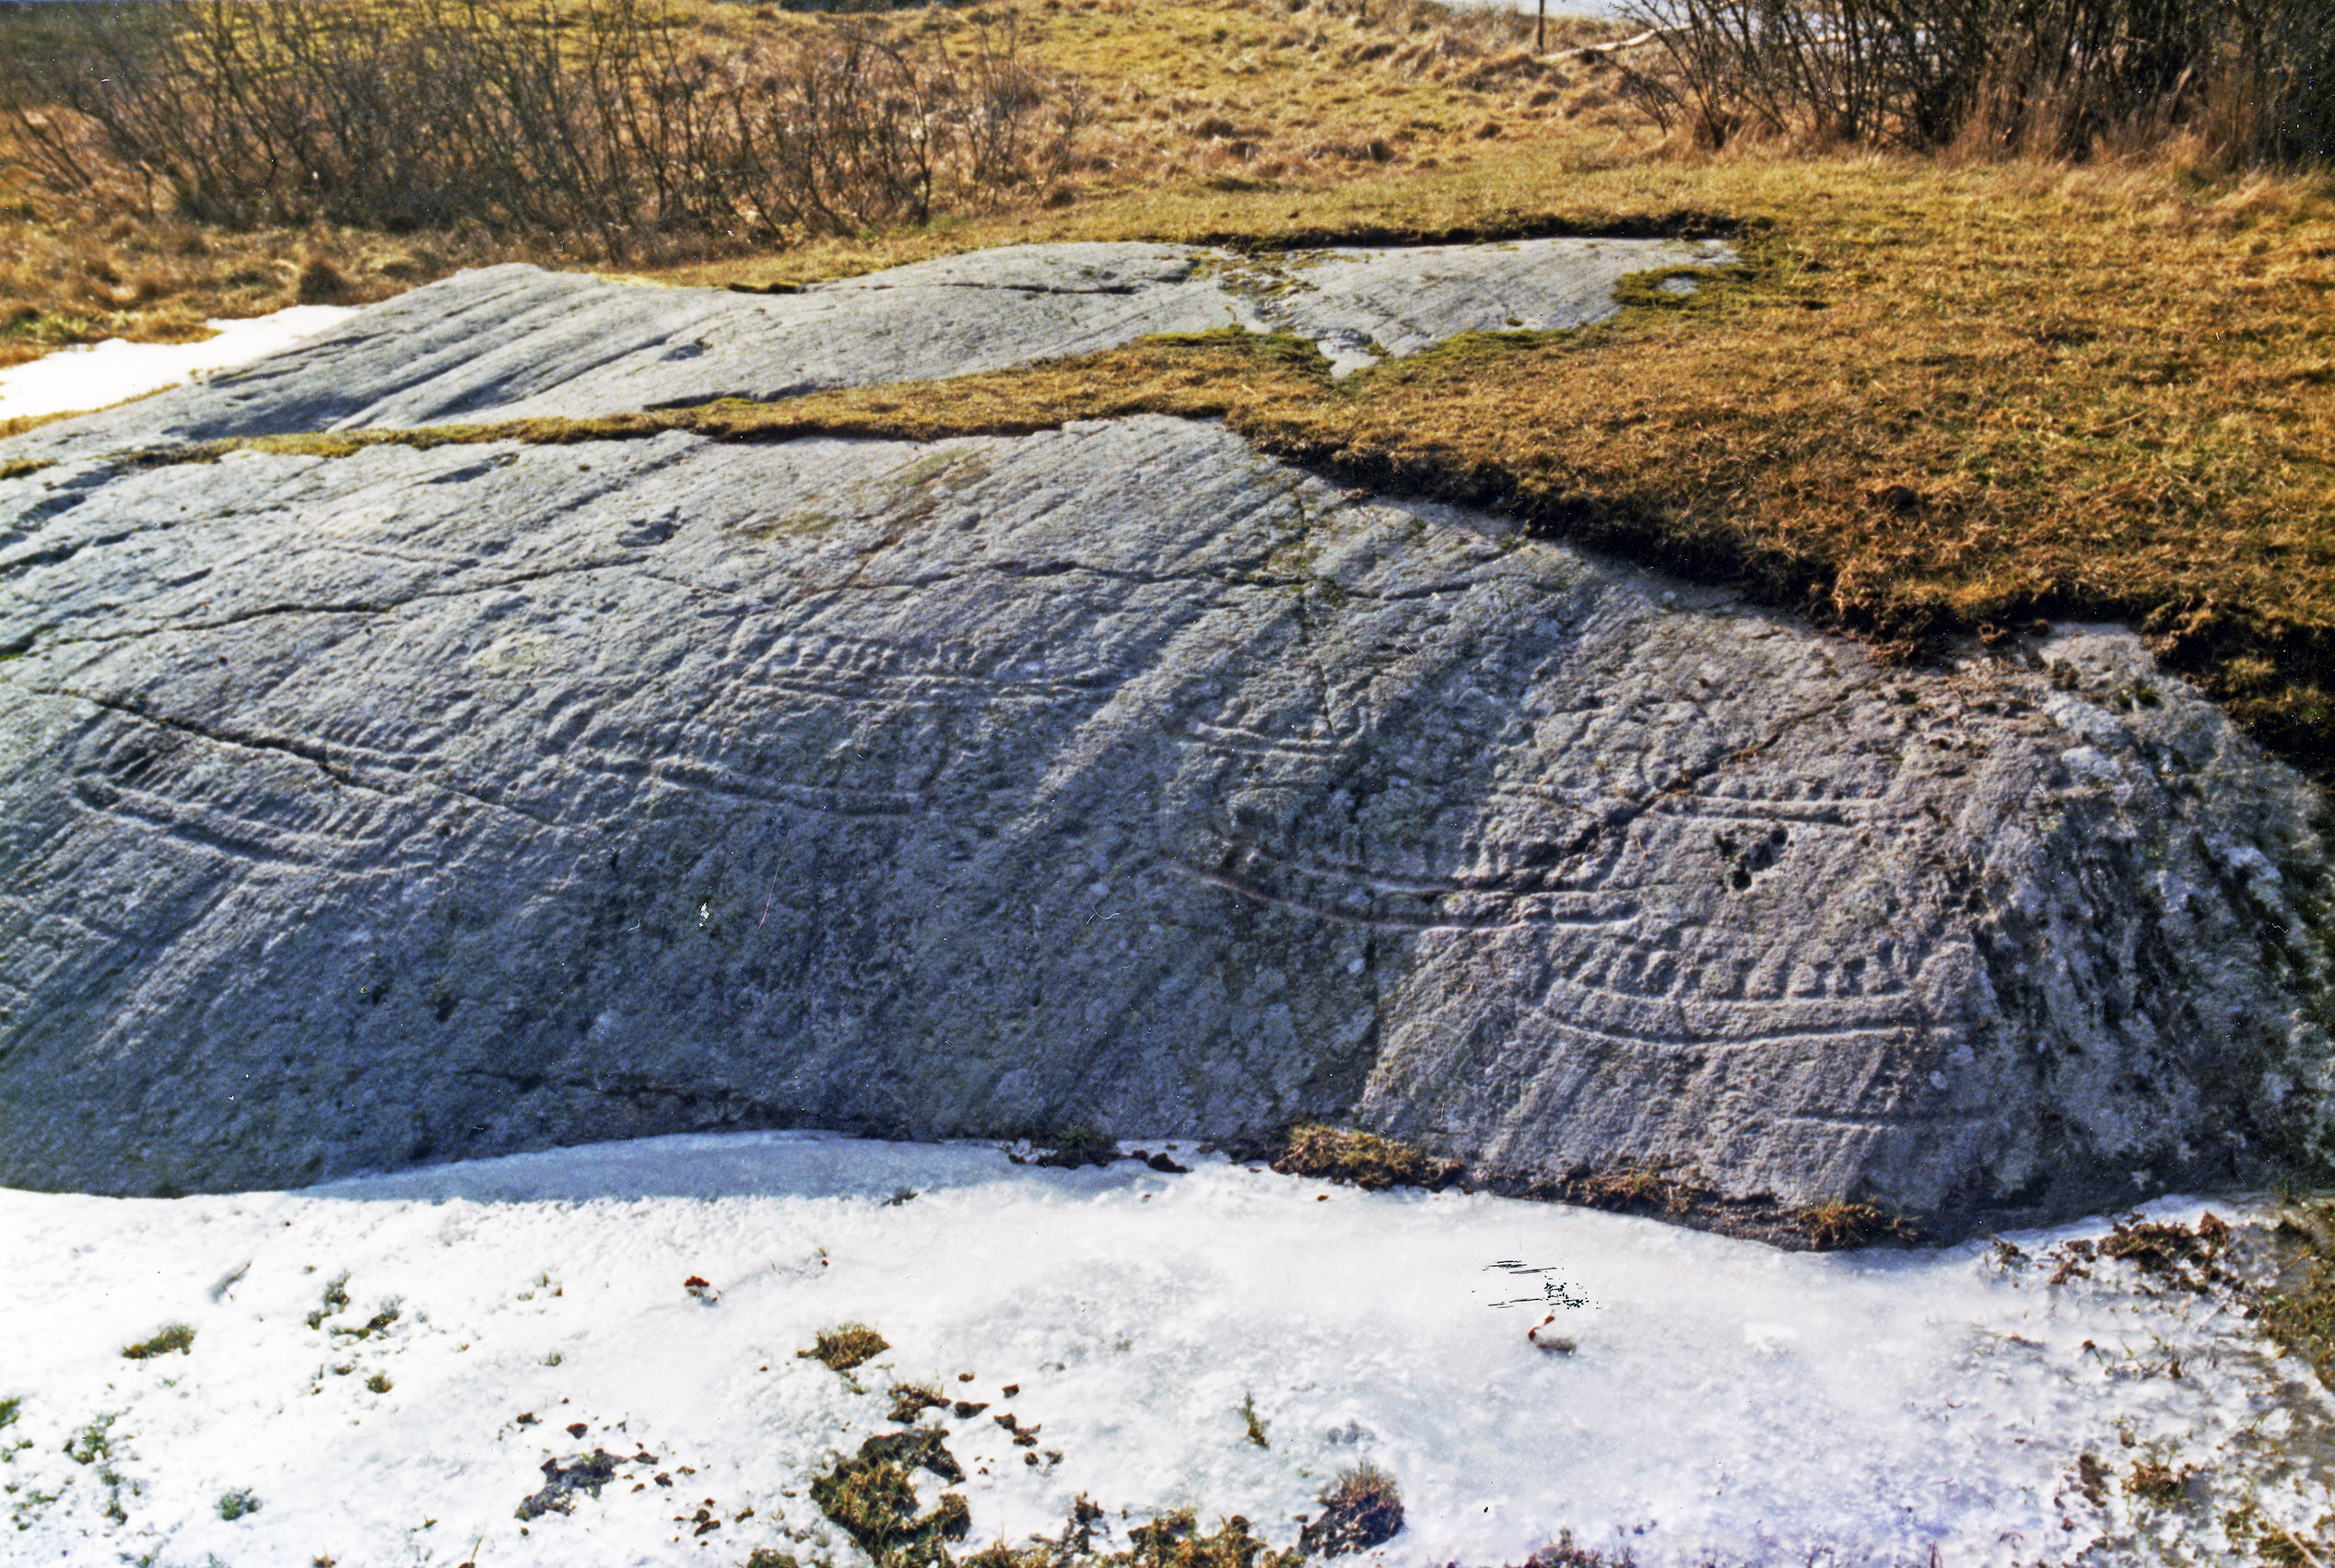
{"type": "Point", "coordinates": [516, 341]}
{"type": "Point", "coordinates": [426, 803]}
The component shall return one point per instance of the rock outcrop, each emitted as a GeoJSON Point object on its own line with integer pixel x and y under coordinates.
{"type": "Point", "coordinates": [516, 341]}
{"type": "Point", "coordinates": [422, 803]}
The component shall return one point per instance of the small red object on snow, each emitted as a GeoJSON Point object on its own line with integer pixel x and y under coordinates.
{"type": "Point", "coordinates": [1545, 1337]}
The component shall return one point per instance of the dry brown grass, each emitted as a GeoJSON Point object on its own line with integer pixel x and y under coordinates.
{"type": "Point", "coordinates": [1358, 1159]}
{"type": "Point", "coordinates": [1943, 397]}
{"type": "Point", "coordinates": [66, 277]}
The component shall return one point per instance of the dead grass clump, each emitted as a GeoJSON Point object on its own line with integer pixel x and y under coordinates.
{"type": "Point", "coordinates": [871, 1498]}
{"type": "Point", "coordinates": [1651, 1188]}
{"type": "Point", "coordinates": [2155, 1483]}
{"type": "Point", "coordinates": [845, 1347]}
{"type": "Point", "coordinates": [1357, 1158]}
{"type": "Point", "coordinates": [1360, 1510]}
{"type": "Point", "coordinates": [1838, 1223]}
{"type": "Point", "coordinates": [2171, 1254]}
{"type": "Point", "coordinates": [910, 1400]}
{"type": "Point", "coordinates": [174, 1337]}
{"type": "Point", "coordinates": [2298, 1311]}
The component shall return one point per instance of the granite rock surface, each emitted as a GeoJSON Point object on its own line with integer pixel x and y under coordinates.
{"type": "Point", "coordinates": [425, 803]}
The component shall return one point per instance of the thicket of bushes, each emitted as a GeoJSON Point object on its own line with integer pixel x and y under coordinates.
{"type": "Point", "coordinates": [2254, 81]}
{"type": "Point", "coordinates": [612, 120]}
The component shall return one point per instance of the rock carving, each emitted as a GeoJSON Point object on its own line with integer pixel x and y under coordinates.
{"type": "Point", "coordinates": [417, 805]}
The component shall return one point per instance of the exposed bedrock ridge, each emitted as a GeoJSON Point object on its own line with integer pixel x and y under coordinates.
{"type": "Point", "coordinates": [421, 804]}
{"type": "Point", "coordinates": [516, 342]}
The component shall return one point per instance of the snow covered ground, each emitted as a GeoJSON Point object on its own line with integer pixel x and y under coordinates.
{"type": "Point", "coordinates": [103, 373]}
{"type": "Point", "coordinates": [1725, 1399]}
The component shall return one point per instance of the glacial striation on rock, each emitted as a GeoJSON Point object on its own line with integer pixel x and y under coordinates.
{"type": "Point", "coordinates": [426, 803]}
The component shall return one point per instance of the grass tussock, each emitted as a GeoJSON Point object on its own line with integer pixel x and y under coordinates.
{"type": "Point", "coordinates": [910, 1400]}
{"type": "Point", "coordinates": [872, 1498]}
{"type": "Point", "coordinates": [174, 1337]}
{"type": "Point", "coordinates": [1358, 1159]}
{"type": "Point", "coordinates": [1838, 1223]}
{"type": "Point", "coordinates": [1361, 1509]}
{"type": "Point", "coordinates": [848, 1345]}
{"type": "Point", "coordinates": [1642, 1189]}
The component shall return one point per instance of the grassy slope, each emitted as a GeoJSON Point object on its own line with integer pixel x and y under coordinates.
{"type": "Point", "coordinates": [1939, 397]}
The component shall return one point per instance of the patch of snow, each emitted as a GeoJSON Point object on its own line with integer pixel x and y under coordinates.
{"type": "Point", "coordinates": [1722, 1398]}
{"type": "Point", "coordinates": [96, 375]}
{"type": "Point", "coordinates": [1556, 7]}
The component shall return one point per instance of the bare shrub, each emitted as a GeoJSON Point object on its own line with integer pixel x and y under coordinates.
{"type": "Point", "coordinates": [612, 120]}
{"type": "Point", "coordinates": [2255, 78]}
